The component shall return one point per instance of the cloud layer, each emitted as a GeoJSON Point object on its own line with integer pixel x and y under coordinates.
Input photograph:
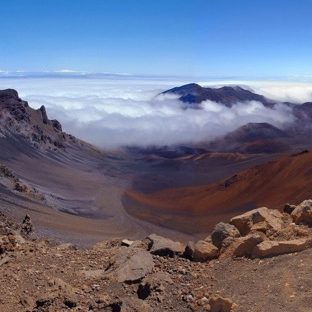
{"type": "Point", "coordinates": [115, 112]}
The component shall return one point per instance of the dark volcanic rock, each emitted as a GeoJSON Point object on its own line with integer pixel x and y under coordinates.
{"type": "Point", "coordinates": [44, 114]}
{"type": "Point", "coordinates": [19, 120]}
{"type": "Point", "coordinates": [56, 124]}
{"type": "Point", "coordinates": [8, 94]}
{"type": "Point", "coordinates": [222, 231]}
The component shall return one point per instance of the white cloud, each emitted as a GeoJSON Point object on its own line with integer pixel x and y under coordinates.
{"type": "Point", "coordinates": [113, 112]}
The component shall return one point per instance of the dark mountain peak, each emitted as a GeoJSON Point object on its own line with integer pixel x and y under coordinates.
{"type": "Point", "coordinates": [227, 95]}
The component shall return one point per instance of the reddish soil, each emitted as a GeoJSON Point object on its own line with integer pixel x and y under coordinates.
{"type": "Point", "coordinates": [288, 179]}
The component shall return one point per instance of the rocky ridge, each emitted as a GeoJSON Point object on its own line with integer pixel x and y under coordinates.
{"type": "Point", "coordinates": [17, 118]}
{"type": "Point", "coordinates": [157, 273]}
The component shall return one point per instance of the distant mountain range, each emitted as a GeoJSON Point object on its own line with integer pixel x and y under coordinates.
{"type": "Point", "coordinates": [19, 120]}
{"type": "Point", "coordinates": [195, 94]}
{"type": "Point", "coordinates": [252, 137]}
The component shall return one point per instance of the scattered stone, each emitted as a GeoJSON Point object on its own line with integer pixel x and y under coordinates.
{"type": "Point", "coordinates": [70, 303]}
{"type": "Point", "coordinates": [275, 248]}
{"type": "Point", "coordinates": [260, 219]}
{"type": "Point", "coordinates": [220, 304]}
{"type": "Point", "coordinates": [43, 304]}
{"type": "Point", "coordinates": [165, 247]}
{"type": "Point", "coordinates": [126, 242]}
{"type": "Point", "coordinates": [222, 231]}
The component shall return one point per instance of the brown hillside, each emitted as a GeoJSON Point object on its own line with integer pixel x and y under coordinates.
{"type": "Point", "coordinates": [288, 179]}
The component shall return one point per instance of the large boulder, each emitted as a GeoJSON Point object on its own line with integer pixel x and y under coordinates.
{"type": "Point", "coordinates": [243, 246]}
{"type": "Point", "coordinates": [222, 231]}
{"type": "Point", "coordinates": [204, 251]}
{"type": "Point", "coordinates": [131, 265]}
{"type": "Point", "coordinates": [275, 248]}
{"type": "Point", "coordinates": [302, 214]}
{"type": "Point", "coordinates": [260, 219]}
{"type": "Point", "coordinates": [162, 246]}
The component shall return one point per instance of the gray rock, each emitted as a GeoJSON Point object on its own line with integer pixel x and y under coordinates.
{"type": "Point", "coordinates": [222, 231]}
{"type": "Point", "coordinates": [131, 265]}
{"type": "Point", "coordinates": [165, 247]}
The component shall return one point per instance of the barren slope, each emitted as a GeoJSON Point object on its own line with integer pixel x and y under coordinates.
{"type": "Point", "coordinates": [288, 179]}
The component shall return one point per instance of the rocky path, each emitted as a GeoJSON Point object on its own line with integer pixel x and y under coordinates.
{"type": "Point", "coordinates": [243, 267]}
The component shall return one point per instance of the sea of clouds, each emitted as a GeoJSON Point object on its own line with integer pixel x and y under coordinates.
{"type": "Point", "coordinates": [117, 111]}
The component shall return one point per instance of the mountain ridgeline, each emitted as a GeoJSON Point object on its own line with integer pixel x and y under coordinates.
{"type": "Point", "coordinates": [252, 137]}
{"type": "Point", "coordinates": [194, 94]}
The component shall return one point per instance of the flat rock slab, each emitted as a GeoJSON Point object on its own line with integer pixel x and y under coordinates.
{"type": "Point", "coordinates": [275, 248]}
{"type": "Point", "coordinates": [162, 246]}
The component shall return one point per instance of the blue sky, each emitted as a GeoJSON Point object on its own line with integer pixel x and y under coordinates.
{"type": "Point", "coordinates": [165, 37]}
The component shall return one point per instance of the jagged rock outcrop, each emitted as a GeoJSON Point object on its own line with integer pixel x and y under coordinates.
{"type": "Point", "coordinates": [19, 120]}
{"type": "Point", "coordinates": [44, 115]}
